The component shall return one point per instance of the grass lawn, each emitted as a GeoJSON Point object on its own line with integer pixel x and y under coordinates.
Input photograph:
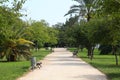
{"type": "Point", "coordinates": [13, 70]}
{"type": "Point", "coordinates": [105, 63]}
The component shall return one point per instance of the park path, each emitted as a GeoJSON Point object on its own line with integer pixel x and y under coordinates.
{"type": "Point", "coordinates": [60, 65]}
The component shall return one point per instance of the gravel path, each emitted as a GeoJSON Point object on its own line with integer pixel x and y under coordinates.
{"type": "Point", "coordinates": [60, 65]}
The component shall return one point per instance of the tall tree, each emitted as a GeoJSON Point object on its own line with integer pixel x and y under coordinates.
{"type": "Point", "coordinates": [11, 29]}
{"type": "Point", "coordinates": [84, 9]}
{"type": "Point", "coordinates": [111, 10]}
{"type": "Point", "coordinates": [61, 34]}
{"type": "Point", "coordinates": [41, 33]}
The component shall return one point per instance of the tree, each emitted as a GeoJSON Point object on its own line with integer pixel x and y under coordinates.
{"type": "Point", "coordinates": [83, 38]}
{"type": "Point", "coordinates": [102, 26]}
{"type": "Point", "coordinates": [105, 49]}
{"type": "Point", "coordinates": [52, 33]}
{"type": "Point", "coordinates": [61, 37]}
{"type": "Point", "coordinates": [84, 9]}
{"type": "Point", "coordinates": [11, 29]}
{"type": "Point", "coordinates": [111, 10]}
{"type": "Point", "coordinates": [105, 32]}
{"type": "Point", "coordinates": [13, 50]}
{"type": "Point", "coordinates": [3, 1]}
{"type": "Point", "coordinates": [40, 33]}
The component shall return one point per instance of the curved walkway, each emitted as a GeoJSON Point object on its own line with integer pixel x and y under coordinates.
{"type": "Point", "coordinates": [60, 65]}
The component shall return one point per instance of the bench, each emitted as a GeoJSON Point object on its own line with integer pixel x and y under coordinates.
{"type": "Point", "coordinates": [75, 53]}
{"type": "Point", "coordinates": [37, 65]}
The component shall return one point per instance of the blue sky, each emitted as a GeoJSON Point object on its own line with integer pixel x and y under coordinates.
{"type": "Point", "coordinates": [52, 11]}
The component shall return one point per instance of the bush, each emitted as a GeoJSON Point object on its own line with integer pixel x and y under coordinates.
{"type": "Point", "coordinates": [105, 49]}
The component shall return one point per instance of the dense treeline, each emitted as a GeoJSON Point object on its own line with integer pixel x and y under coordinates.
{"type": "Point", "coordinates": [93, 22]}
{"type": "Point", "coordinates": [18, 36]}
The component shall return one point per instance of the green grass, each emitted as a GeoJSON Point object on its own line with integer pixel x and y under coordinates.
{"type": "Point", "coordinates": [105, 63]}
{"type": "Point", "coordinates": [13, 70]}
{"type": "Point", "coordinates": [40, 54]}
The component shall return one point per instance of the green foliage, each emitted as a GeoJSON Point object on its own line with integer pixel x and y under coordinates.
{"type": "Point", "coordinates": [11, 29]}
{"type": "Point", "coordinates": [110, 7]}
{"type": "Point", "coordinates": [13, 50]}
{"type": "Point", "coordinates": [17, 5]}
{"type": "Point", "coordinates": [105, 49]}
{"type": "Point", "coordinates": [102, 25]}
{"type": "Point", "coordinates": [13, 70]}
{"type": "Point", "coordinates": [84, 9]}
{"type": "Point", "coordinates": [39, 31]}
{"type": "Point", "coordinates": [112, 14]}
{"type": "Point", "coordinates": [61, 36]}
{"type": "Point", "coordinates": [52, 33]}
{"type": "Point", "coordinates": [105, 31]}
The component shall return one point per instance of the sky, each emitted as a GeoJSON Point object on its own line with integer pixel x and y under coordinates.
{"type": "Point", "coordinates": [52, 11]}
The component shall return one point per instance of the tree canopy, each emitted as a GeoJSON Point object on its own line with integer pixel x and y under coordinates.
{"type": "Point", "coordinates": [98, 24]}
{"type": "Point", "coordinates": [18, 36]}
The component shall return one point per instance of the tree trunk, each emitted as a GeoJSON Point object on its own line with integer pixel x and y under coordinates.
{"type": "Point", "coordinates": [11, 58]}
{"type": "Point", "coordinates": [116, 58]}
{"type": "Point", "coordinates": [114, 51]}
{"type": "Point", "coordinates": [90, 52]}
{"type": "Point", "coordinates": [88, 17]}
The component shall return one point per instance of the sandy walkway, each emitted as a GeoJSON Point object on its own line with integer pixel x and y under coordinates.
{"type": "Point", "coordinates": [60, 65]}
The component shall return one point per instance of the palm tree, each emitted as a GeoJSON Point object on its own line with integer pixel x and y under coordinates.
{"type": "Point", "coordinates": [83, 9]}
{"type": "Point", "coordinates": [15, 49]}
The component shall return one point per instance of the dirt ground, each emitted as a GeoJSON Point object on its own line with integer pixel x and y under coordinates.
{"type": "Point", "coordinates": [61, 65]}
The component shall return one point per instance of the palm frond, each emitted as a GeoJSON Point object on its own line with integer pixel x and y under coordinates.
{"type": "Point", "coordinates": [88, 1]}
{"type": "Point", "coordinates": [23, 41]}
{"type": "Point", "coordinates": [26, 54]}
{"type": "Point", "coordinates": [23, 50]}
{"type": "Point", "coordinates": [75, 6]}
{"type": "Point", "coordinates": [79, 1]}
{"type": "Point", "coordinates": [19, 32]}
{"type": "Point", "coordinates": [72, 11]}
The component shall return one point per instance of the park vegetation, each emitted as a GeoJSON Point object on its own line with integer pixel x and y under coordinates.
{"type": "Point", "coordinates": [92, 23]}
{"type": "Point", "coordinates": [20, 40]}
{"type": "Point", "coordinates": [17, 36]}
